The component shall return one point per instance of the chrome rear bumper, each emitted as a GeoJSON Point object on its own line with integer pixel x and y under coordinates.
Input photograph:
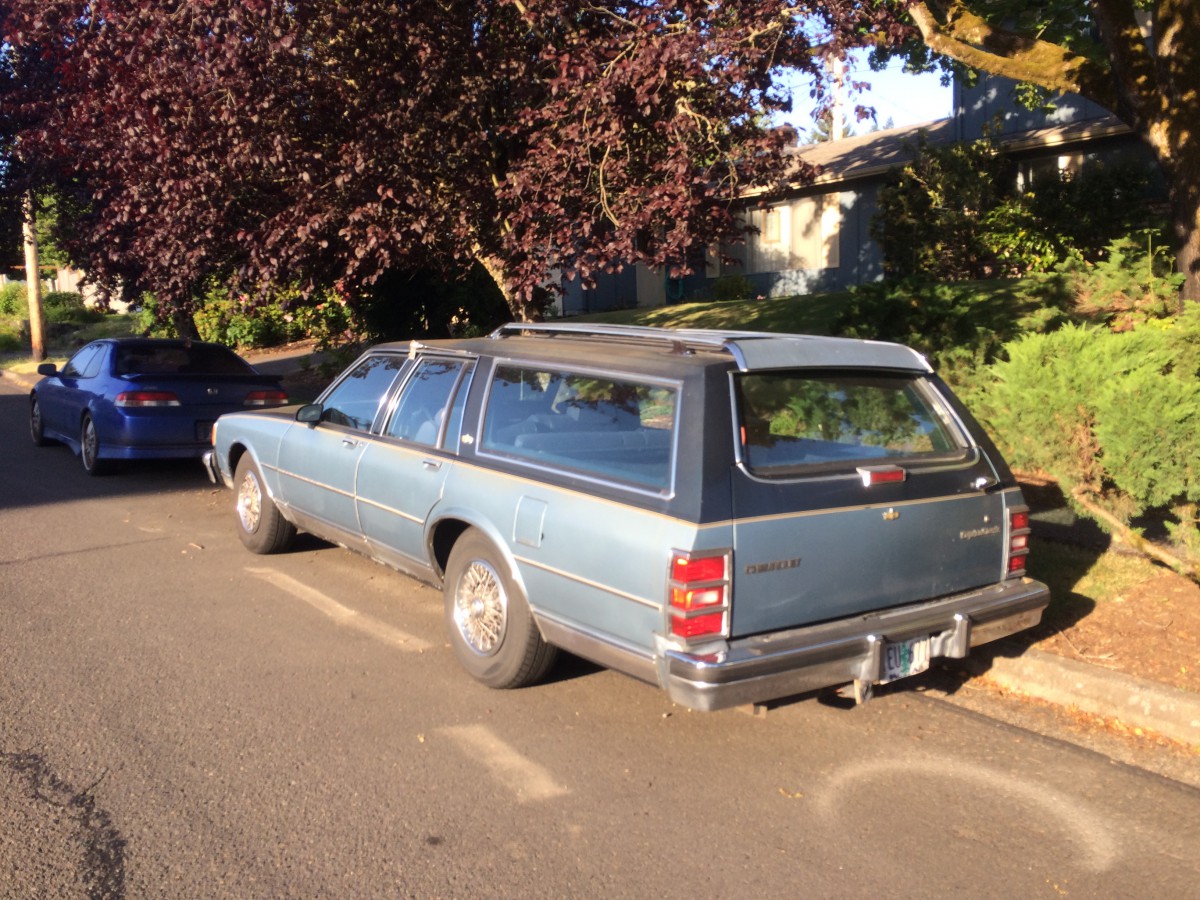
{"type": "Point", "coordinates": [791, 662]}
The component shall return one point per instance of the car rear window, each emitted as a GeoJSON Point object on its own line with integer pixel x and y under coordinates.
{"type": "Point", "coordinates": [613, 429]}
{"type": "Point", "coordinates": [800, 422]}
{"type": "Point", "coordinates": [180, 359]}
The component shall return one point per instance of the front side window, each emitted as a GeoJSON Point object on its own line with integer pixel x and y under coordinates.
{"type": "Point", "coordinates": [614, 429]}
{"type": "Point", "coordinates": [357, 398]}
{"type": "Point", "coordinates": [800, 423]}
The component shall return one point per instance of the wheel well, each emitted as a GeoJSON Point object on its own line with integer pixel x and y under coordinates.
{"type": "Point", "coordinates": [236, 451]}
{"type": "Point", "coordinates": [445, 535]}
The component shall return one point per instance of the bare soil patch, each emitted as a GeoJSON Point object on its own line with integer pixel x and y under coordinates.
{"type": "Point", "coordinates": [1151, 631]}
{"type": "Point", "coordinates": [1138, 618]}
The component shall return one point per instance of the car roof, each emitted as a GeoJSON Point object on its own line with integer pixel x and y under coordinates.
{"type": "Point", "coordinates": [650, 348]}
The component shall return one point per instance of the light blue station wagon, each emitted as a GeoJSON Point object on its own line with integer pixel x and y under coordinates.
{"type": "Point", "coordinates": [735, 517]}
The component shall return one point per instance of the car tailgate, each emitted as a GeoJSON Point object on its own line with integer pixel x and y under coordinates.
{"type": "Point", "coordinates": [879, 547]}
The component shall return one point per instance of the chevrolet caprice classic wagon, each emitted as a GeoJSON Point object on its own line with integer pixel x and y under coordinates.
{"type": "Point", "coordinates": [732, 516]}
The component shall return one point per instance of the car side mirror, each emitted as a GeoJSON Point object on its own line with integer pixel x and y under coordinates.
{"type": "Point", "coordinates": [310, 413]}
{"type": "Point", "coordinates": [47, 369]}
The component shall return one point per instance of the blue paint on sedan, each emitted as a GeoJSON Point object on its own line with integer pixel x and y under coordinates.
{"type": "Point", "coordinates": [143, 398]}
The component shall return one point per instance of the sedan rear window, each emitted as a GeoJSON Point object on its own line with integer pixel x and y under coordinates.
{"type": "Point", "coordinates": [798, 422]}
{"type": "Point", "coordinates": [613, 429]}
{"type": "Point", "coordinates": [180, 359]}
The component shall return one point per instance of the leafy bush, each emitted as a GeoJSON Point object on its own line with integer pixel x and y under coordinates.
{"type": "Point", "coordinates": [13, 301]}
{"type": "Point", "coordinates": [955, 213]}
{"type": "Point", "coordinates": [732, 288]}
{"type": "Point", "coordinates": [959, 327]}
{"type": "Point", "coordinates": [1133, 281]}
{"type": "Point", "coordinates": [1114, 416]}
{"type": "Point", "coordinates": [11, 341]}
{"type": "Point", "coordinates": [147, 321]}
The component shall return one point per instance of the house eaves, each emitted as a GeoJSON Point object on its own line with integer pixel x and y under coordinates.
{"type": "Point", "coordinates": [879, 152]}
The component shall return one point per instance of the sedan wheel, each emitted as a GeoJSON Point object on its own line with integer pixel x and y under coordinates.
{"type": "Point", "coordinates": [37, 428]}
{"type": "Point", "coordinates": [89, 448]}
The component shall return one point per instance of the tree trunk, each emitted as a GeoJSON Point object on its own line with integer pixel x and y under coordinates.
{"type": "Point", "coordinates": [521, 311]}
{"type": "Point", "coordinates": [1185, 228]}
{"type": "Point", "coordinates": [33, 279]}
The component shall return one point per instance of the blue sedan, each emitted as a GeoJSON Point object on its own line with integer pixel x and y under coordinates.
{"type": "Point", "coordinates": [143, 398]}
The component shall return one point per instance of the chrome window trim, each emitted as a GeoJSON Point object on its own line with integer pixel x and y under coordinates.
{"type": "Point", "coordinates": [676, 385]}
{"type": "Point", "coordinates": [967, 457]}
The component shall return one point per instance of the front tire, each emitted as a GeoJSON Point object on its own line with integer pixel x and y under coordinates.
{"type": "Point", "coordinates": [89, 448]}
{"type": "Point", "coordinates": [37, 428]}
{"type": "Point", "coordinates": [261, 526]}
{"type": "Point", "coordinates": [489, 622]}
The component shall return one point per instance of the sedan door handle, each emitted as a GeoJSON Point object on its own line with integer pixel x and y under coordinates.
{"type": "Point", "coordinates": [349, 443]}
{"type": "Point", "coordinates": [432, 464]}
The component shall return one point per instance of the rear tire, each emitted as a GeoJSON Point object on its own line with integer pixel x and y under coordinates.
{"type": "Point", "coordinates": [261, 526]}
{"type": "Point", "coordinates": [489, 622]}
{"type": "Point", "coordinates": [89, 448]}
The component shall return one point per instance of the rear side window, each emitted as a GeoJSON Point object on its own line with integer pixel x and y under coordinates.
{"type": "Point", "coordinates": [85, 363]}
{"type": "Point", "coordinates": [800, 422]}
{"type": "Point", "coordinates": [613, 429]}
{"type": "Point", "coordinates": [425, 401]}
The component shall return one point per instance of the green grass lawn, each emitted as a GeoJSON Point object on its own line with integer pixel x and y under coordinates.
{"type": "Point", "coordinates": [813, 314]}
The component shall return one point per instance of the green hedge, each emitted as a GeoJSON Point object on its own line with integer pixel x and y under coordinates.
{"type": "Point", "coordinates": [1114, 416]}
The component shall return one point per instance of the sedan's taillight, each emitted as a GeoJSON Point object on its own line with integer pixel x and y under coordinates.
{"type": "Point", "coordinates": [140, 399]}
{"type": "Point", "coordinates": [265, 398]}
{"type": "Point", "coordinates": [1018, 541]}
{"type": "Point", "coordinates": [699, 596]}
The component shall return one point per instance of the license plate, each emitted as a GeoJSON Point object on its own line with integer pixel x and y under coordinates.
{"type": "Point", "coordinates": [904, 658]}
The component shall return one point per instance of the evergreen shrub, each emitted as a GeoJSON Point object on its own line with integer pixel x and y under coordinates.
{"type": "Point", "coordinates": [1114, 416]}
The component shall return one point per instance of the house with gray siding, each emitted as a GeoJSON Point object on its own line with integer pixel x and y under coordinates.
{"type": "Point", "coordinates": [816, 237]}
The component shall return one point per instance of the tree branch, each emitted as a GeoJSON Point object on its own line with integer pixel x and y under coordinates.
{"type": "Point", "coordinates": [973, 41]}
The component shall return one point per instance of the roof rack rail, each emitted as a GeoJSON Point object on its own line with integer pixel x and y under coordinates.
{"type": "Point", "coordinates": [691, 337]}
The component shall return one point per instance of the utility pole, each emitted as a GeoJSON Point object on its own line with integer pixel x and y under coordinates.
{"type": "Point", "coordinates": [33, 279]}
{"type": "Point", "coordinates": [837, 112]}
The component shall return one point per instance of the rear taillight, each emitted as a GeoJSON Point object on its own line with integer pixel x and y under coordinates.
{"type": "Point", "coordinates": [1018, 541]}
{"type": "Point", "coordinates": [265, 398]}
{"type": "Point", "coordinates": [698, 596]}
{"type": "Point", "coordinates": [140, 399]}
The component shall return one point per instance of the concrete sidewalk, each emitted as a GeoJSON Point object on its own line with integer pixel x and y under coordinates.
{"type": "Point", "coordinates": [1164, 709]}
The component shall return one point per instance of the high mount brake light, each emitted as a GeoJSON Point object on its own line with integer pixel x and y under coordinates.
{"type": "Point", "coordinates": [698, 595]}
{"type": "Point", "coordinates": [141, 399]}
{"type": "Point", "coordinates": [872, 475]}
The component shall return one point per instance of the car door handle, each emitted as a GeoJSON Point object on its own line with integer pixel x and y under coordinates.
{"type": "Point", "coordinates": [349, 443]}
{"type": "Point", "coordinates": [432, 464]}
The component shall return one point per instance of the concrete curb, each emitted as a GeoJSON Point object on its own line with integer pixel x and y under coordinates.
{"type": "Point", "coordinates": [1169, 711]}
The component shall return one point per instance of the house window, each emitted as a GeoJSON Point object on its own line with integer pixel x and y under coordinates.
{"type": "Point", "coordinates": [772, 229]}
{"type": "Point", "coordinates": [801, 234]}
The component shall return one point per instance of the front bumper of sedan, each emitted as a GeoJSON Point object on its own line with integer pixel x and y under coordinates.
{"type": "Point", "coordinates": [213, 468]}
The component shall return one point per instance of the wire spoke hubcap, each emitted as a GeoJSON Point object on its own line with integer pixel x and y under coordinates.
{"type": "Point", "coordinates": [481, 608]}
{"type": "Point", "coordinates": [249, 503]}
